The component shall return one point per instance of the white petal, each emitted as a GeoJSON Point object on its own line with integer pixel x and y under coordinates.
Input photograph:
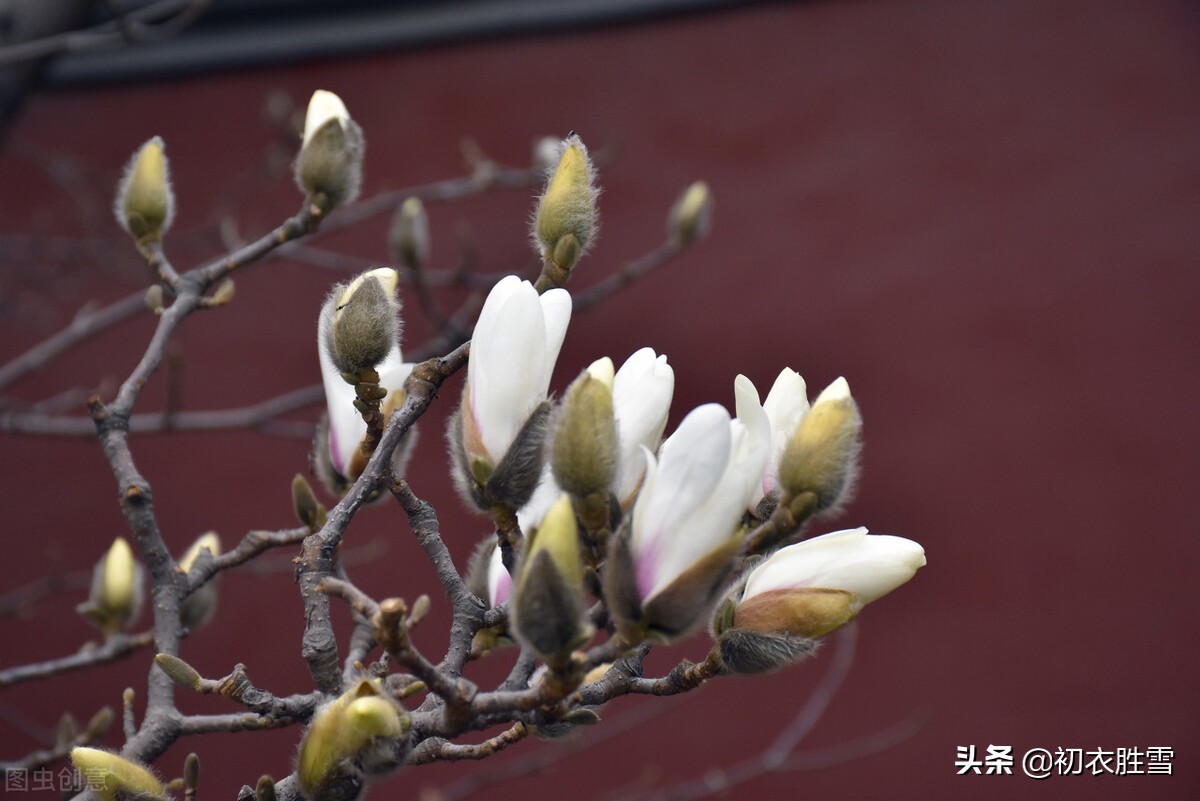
{"type": "Point", "coordinates": [556, 313]}
{"type": "Point", "coordinates": [530, 515]}
{"type": "Point", "coordinates": [346, 426]}
{"type": "Point", "coordinates": [323, 107]}
{"type": "Point", "coordinates": [507, 369]}
{"type": "Point", "coordinates": [673, 518]}
{"type": "Point", "coordinates": [499, 581]}
{"type": "Point", "coordinates": [750, 457]}
{"type": "Point", "coordinates": [786, 405]}
{"type": "Point", "coordinates": [867, 566]}
{"type": "Point", "coordinates": [642, 391]}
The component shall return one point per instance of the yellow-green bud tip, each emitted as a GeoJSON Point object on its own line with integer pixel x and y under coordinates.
{"type": "Point", "coordinates": [691, 215]}
{"type": "Point", "coordinates": [209, 541]}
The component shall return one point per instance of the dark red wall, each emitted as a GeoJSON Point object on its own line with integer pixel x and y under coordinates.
{"type": "Point", "coordinates": [985, 215]}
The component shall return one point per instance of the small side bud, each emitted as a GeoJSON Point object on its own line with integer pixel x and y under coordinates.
{"type": "Point", "coordinates": [224, 293]}
{"type": "Point", "coordinates": [308, 509]}
{"type": "Point", "coordinates": [100, 722]}
{"type": "Point", "coordinates": [199, 607]}
{"type": "Point", "coordinates": [116, 596]}
{"type": "Point", "coordinates": [110, 775]}
{"type": "Point", "coordinates": [567, 206]}
{"type": "Point", "coordinates": [191, 773]}
{"type": "Point", "coordinates": [585, 448]}
{"type": "Point", "coordinates": [420, 609]}
{"type": "Point", "coordinates": [408, 238]}
{"type": "Point", "coordinates": [145, 205]}
{"type": "Point", "coordinates": [154, 299]}
{"type": "Point", "coordinates": [691, 216]}
{"type": "Point", "coordinates": [265, 789]}
{"type": "Point", "coordinates": [546, 608]}
{"type": "Point", "coordinates": [361, 321]}
{"type": "Point", "coordinates": [180, 672]}
{"type": "Point", "coordinates": [822, 455]}
{"type": "Point", "coordinates": [331, 154]}
{"type": "Point", "coordinates": [66, 731]}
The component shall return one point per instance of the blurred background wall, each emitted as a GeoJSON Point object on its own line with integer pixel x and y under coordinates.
{"type": "Point", "coordinates": [984, 215]}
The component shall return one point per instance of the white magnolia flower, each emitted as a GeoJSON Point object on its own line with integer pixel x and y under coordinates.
{"type": "Point", "coordinates": [642, 391]}
{"type": "Point", "coordinates": [513, 351]}
{"type": "Point", "coordinates": [694, 495]}
{"type": "Point", "coordinates": [867, 567]}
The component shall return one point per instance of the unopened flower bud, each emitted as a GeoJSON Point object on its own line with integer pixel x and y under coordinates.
{"type": "Point", "coordinates": [360, 321]}
{"type": "Point", "coordinates": [822, 455]}
{"type": "Point", "coordinates": [180, 672]}
{"type": "Point", "coordinates": [199, 607]}
{"type": "Point", "coordinates": [145, 204]}
{"type": "Point", "coordinates": [308, 509]}
{"type": "Point", "coordinates": [567, 206]}
{"type": "Point", "coordinates": [110, 776]}
{"type": "Point", "coordinates": [547, 612]}
{"type": "Point", "coordinates": [691, 215]}
{"type": "Point", "coordinates": [408, 238]}
{"type": "Point", "coordinates": [584, 453]}
{"type": "Point", "coordinates": [331, 155]}
{"type": "Point", "coordinates": [116, 595]}
{"type": "Point", "coordinates": [360, 732]}
{"type": "Point", "coordinates": [154, 298]}
{"type": "Point", "coordinates": [224, 292]}
{"type": "Point", "coordinates": [808, 590]}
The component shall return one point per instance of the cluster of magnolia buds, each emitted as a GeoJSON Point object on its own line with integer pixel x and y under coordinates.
{"type": "Point", "coordinates": [660, 528]}
{"type": "Point", "coordinates": [587, 498]}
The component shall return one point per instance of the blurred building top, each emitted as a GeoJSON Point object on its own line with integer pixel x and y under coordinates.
{"type": "Point", "coordinates": [231, 34]}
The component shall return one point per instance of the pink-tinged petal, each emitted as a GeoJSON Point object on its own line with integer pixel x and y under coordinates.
{"type": "Point", "coordinates": [689, 466]}
{"type": "Point", "coordinates": [499, 581]}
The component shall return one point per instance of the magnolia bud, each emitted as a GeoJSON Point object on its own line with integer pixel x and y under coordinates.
{"type": "Point", "coordinates": [361, 320]}
{"type": "Point", "coordinates": [308, 510]}
{"type": "Point", "coordinates": [567, 206]}
{"type": "Point", "coordinates": [331, 155]}
{"type": "Point", "coordinates": [822, 455]}
{"type": "Point", "coordinates": [224, 292]}
{"type": "Point", "coordinates": [691, 215]}
{"type": "Point", "coordinates": [154, 298]}
{"type": "Point", "coordinates": [145, 204]}
{"type": "Point", "coordinates": [546, 608]}
{"type": "Point", "coordinates": [198, 608]}
{"type": "Point", "coordinates": [109, 775]}
{"type": "Point", "coordinates": [408, 238]}
{"type": "Point", "coordinates": [180, 672]}
{"type": "Point", "coordinates": [585, 448]}
{"type": "Point", "coordinates": [360, 732]}
{"type": "Point", "coordinates": [116, 595]}
{"type": "Point", "coordinates": [808, 590]}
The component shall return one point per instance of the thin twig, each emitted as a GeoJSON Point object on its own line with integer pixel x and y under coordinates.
{"type": "Point", "coordinates": [114, 648]}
